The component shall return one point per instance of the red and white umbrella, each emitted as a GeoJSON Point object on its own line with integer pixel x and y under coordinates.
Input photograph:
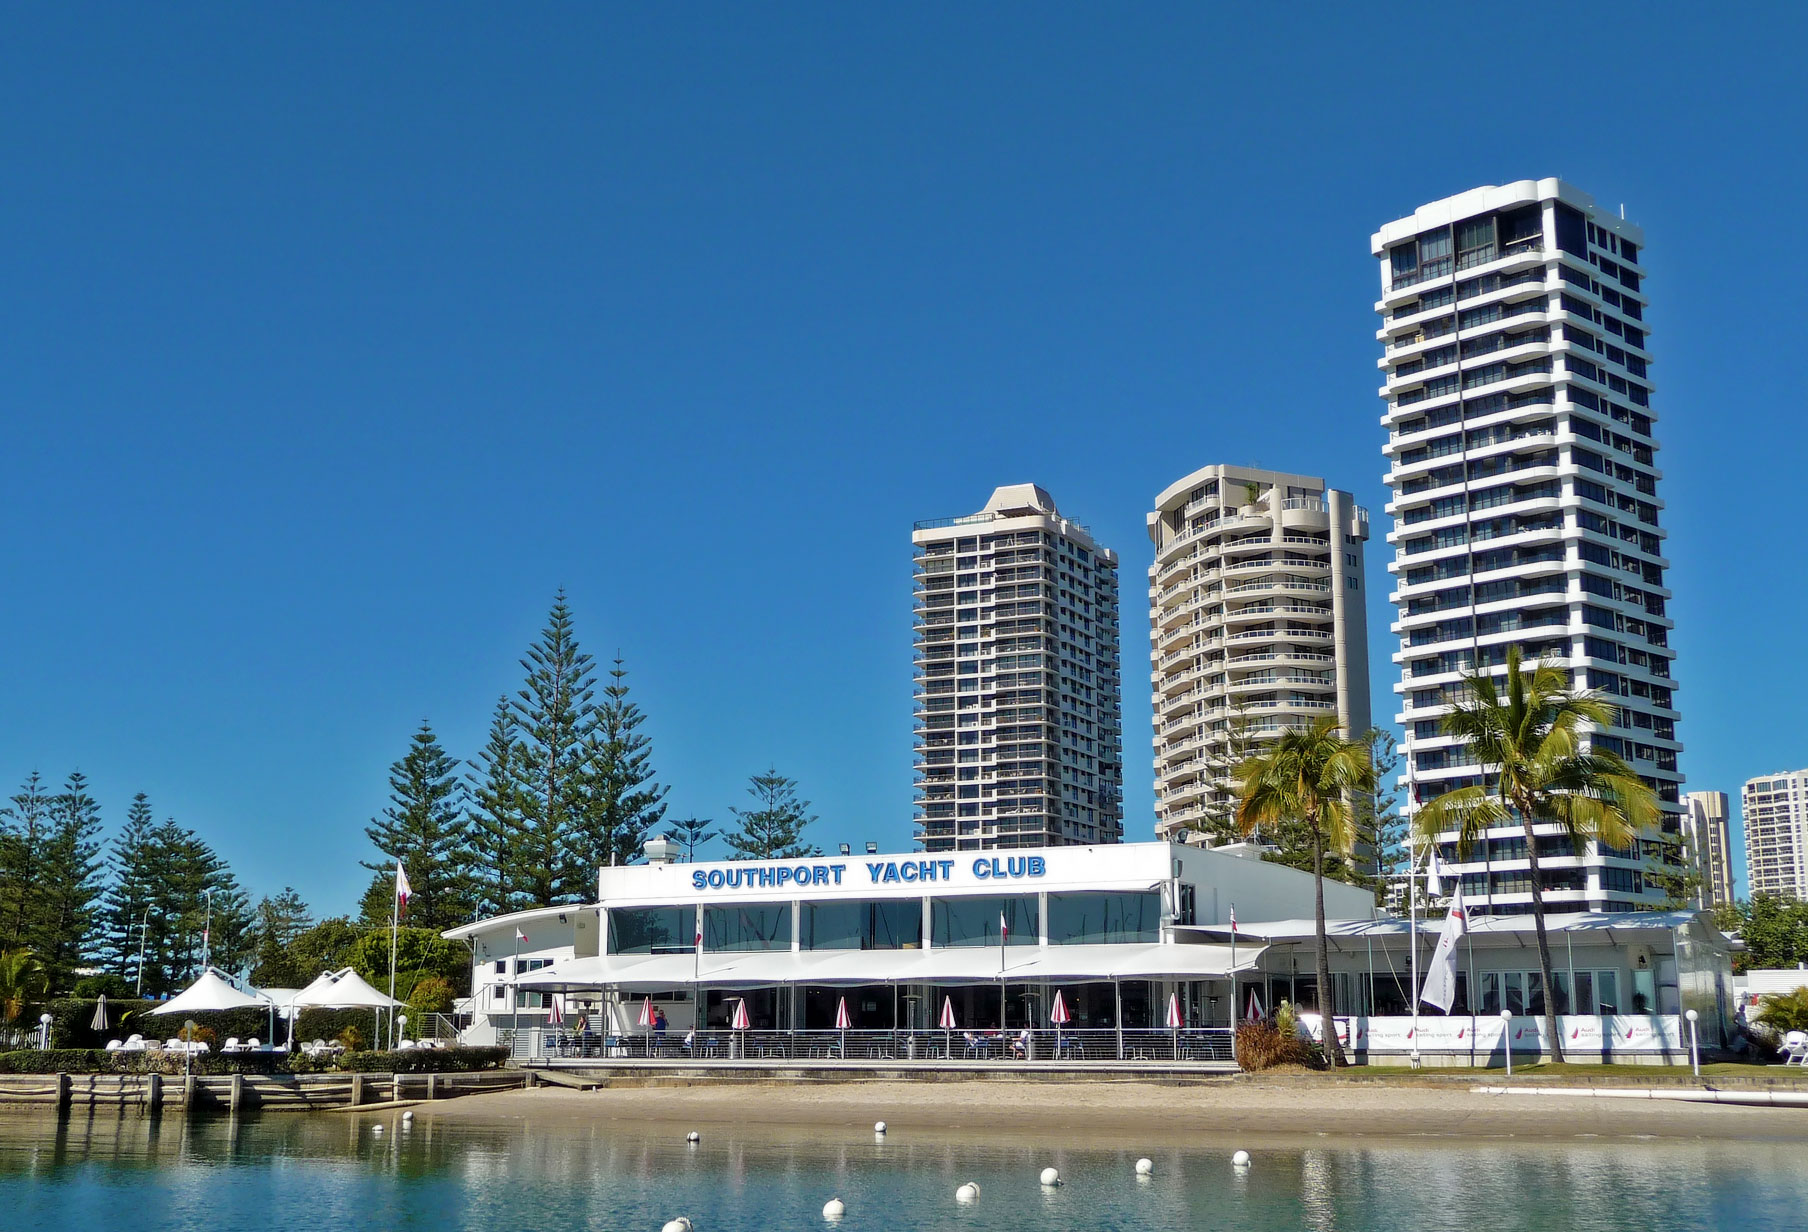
{"type": "Point", "coordinates": [1253, 1012]}
{"type": "Point", "coordinates": [557, 1004]}
{"type": "Point", "coordinates": [1174, 1019]}
{"type": "Point", "coordinates": [1057, 1013]}
{"type": "Point", "coordinates": [947, 1022]}
{"type": "Point", "coordinates": [646, 1012]}
{"type": "Point", "coordinates": [740, 1021]}
{"type": "Point", "coordinates": [842, 1020]}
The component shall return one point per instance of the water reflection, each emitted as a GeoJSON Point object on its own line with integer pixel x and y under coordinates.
{"type": "Point", "coordinates": [333, 1171]}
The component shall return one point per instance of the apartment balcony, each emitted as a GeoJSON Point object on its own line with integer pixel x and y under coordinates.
{"type": "Point", "coordinates": [1280, 658]}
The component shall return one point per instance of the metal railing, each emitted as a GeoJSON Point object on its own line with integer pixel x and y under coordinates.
{"type": "Point", "coordinates": [1187, 1044]}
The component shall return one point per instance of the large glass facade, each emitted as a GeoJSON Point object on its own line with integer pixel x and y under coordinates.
{"type": "Point", "coordinates": [747, 926]}
{"type": "Point", "coordinates": [1103, 919]}
{"type": "Point", "coordinates": [893, 924]}
{"type": "Point", "coordinates": [652, 930]}
{"type": "Point", "coordinates": [974, 921]}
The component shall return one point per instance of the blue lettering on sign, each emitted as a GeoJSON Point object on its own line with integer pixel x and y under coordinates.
{"type": "Point", "coordinates": [886, 872]}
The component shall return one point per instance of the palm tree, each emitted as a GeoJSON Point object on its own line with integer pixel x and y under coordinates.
{"type": "Point", "coordinates": [1309, 775]}
{"type": "Point", "coordinates": [22, 977]}
{"type": "Point", "coordinates": [1529, 741]}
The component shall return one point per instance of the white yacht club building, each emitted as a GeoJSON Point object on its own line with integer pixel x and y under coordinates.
{"type": "Point", "coordinates": [1122, 932]}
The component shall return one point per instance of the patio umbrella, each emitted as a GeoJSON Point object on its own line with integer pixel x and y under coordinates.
{"type": "Point", "coordinates": [646, 1012]}
{"type": "Point", "coordinates": [740, 1021]}
{"type": "Point", "coordinates": [1253, 1012]}
{"type": "Point", "coordinates": [947, 1025]}
{"type": "Point", "coordinates": [1057, 1014]}
{"type": "Point", "coordinates": [557, 1015]}
{"type": "Point", "coordinates": [1174, 1021]}
{"type": "Point", "coordinates": [99, 1021]}
{"type": "Point", "coordinates": [842, 1023]}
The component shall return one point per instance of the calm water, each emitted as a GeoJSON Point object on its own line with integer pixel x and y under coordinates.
{"type": "Point", "coordinates": [331, 1172]}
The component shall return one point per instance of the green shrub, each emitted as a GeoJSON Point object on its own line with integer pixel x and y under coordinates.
{"type": "Point", "coordinates": [423, 1061]}
{"type": "Point", "coordinates": [53, 1061]}
{"type": "Point", "coordinates": [1784, 1011]}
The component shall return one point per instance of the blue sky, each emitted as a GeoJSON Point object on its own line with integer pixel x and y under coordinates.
{"type": "Point", "coordinates": [336, 340]}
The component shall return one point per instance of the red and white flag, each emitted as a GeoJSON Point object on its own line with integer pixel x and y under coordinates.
{"type": "Point", "coordinates": [1440, 976]}
{"type": "Point", "coordinates": [1434, 876]}
{"type": "Point", "coordinates": [699, 942]}
{"type": "Point", "coordinates": [1004, 928]}
{"type": "Point", "coordinates": [1233, 917]}
{"type": "Point", "coordinates": [403, 891]}
{"type": "Point", "coordinates": [519, 935]}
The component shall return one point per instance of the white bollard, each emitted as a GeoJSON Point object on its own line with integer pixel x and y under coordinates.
{"type": "Point", "coordinates": [1051, 1176]}
{"type": "Point", "coordinates": [878, 1127]}
{"type": "Point", "coordinates": [1144, 1167]}
{"type": "Point", "coordinates": [1240, 1159]}
{"type": "Point", "coordinates": [407, 1116]}
{"type": "Point", "coordinates": [834, 1208]}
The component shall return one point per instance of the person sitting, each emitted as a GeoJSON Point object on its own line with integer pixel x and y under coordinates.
{"type": "Point", "coordinates": [1020, 1047]}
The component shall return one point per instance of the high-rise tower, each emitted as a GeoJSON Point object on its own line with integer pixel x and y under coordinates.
{"type": "Point", "coordinates": [1773, 812]}
{"type": "Point", "coordinates": [1522, 447]}
{"type": "Point", "coordinates": [1256, 625]}
{"type": "Point", "coordinates": [1019, 724]}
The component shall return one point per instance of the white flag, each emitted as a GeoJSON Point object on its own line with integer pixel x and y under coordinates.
{"type": "Point", "coordinates": [403, 891]}
{"type": "Point", "coordinates": [1434, 884]}
{"type": "Point", "coordinates": [1440, 976]}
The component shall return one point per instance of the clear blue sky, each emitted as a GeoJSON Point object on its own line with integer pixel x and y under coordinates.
{"type": "Point", "coordinates": [335, 340]}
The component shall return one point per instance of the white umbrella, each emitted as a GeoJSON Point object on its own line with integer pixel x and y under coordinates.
{"type": "Point", "coordinates": [740, 1021]}
{"type": "Point", "coordinates": [99, 1021]}
{"type": "Point", "coordinates": [842, 1022]}
{"type": "Point", "coordinates": [1057, 1014]}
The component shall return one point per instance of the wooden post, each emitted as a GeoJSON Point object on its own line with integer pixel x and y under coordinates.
{"type": "Point", "coordinates": [154, 1092]}
{"type": "Point", "coordinates": [395, 1088]}
{"type": "Point", "coordinates": [238, 1093]}
{"type": "Point", "coordinates": [64, 1090]}
{"type": "Point", "coordinates": [357, 1089]}
{"type": "Point", "coordinates": [188, 1094]}
{"type": "Point", "coordinates": [432, 1086]}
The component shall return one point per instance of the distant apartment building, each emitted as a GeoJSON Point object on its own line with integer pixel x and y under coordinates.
{"type": "Point", "coordinates": [1255, 625]}
{"type": "Point", "coordinates": [1522, 449]}
{"type": "Point", "coordinates": [1773, 811]}
{"type": "Point", "coordinates": [1019, 723]}
{"type": "Point", "coordinates": [1707, 845]}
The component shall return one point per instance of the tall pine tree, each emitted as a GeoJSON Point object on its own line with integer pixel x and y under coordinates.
{"type": "Point", "coordinates": [70, 882]}
{"type": "Point", "coordinates": [280, 922]}
{"type": "Point", "coordinates": [25, 826]}
{"type": "Point", "coordinates": [131, 892]}
{"type": "Point", "coordinates": [773, 830]}
{"type": "Point", "coordinates": [186, 868]}
{"type": "Point", "coordinates": [556, 717]}
{"type": "Point", "coordinates": [622, 802]}
{"type": "Point", "coordinates": [425, 827]}
{"type": "Point", "coordinates": [496, 822]}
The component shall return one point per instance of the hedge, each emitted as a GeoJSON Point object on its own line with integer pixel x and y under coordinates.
{"type": "Point", "coordinates": [422, 1061]}
{"type": "Point", "coordinates": [53, 1061]}
{"type": "Point", "coordinates": [100, 1061]}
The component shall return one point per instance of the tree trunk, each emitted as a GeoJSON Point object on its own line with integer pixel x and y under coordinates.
{"type": "Point", "coordinates": [1551, 1028]}
{"type": "Point", "coordinates": [1327, 1008]}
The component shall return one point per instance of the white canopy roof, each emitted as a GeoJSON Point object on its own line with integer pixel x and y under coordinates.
{"type": "Point", "coordinates": [210, 992]}
{"type": "Point", "coordinates": [964, 965]}
{"type": "Point", "coordinates": [344, 989]}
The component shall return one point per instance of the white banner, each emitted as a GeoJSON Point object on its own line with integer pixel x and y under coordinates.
{"type": "Point", "coordinates": [1461, 1033]}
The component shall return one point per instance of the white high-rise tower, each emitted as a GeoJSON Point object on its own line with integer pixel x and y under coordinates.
{"type": "Point", "coordinates": [1522, 451]}
{"type": "Point", "coordinates": [1019, 721]}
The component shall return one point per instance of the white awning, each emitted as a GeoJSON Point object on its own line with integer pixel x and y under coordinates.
{"type": "Point", "coordinates": [964, 965]}
{"type": "Point", "coordinates": [210, 992]}
{"type": "Point", "coordinates": [344, 989]}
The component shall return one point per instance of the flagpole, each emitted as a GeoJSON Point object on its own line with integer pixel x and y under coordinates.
{"type": "Point", "coordinates": [514, 977]}
{"type": "Point", "coordinates": [1412, 892]}
{"type": "Point", "coordinates": [395, 918]}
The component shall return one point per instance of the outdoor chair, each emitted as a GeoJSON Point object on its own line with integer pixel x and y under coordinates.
{"type": "Point", "coordinates": [114, 1045]}
{"type": "Point", "coordinates": [1795, 1048]}
{"type": "Point", "coordinates": [231, 1044]}
{"type": "Point", "coordinates": [404, 1045]}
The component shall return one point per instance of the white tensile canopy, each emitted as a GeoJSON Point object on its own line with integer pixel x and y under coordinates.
{"type": "Point", "coordinates": [210, 992]}
{"type": "Point", "coordinates": [343, 989]}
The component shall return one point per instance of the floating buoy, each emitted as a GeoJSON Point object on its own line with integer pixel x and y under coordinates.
{"type": "Point", "coordinates": [407, 1116]}
{"type": "Point", "coordinates": [376, 1129]}
{"type": "Point", "coordinates": [693, 1136]}
{"type": "Point", "coordinates": [1051, 1176]}
{"type": "Point", "coordinates": [1144, 1167]}
{"type": "Point", "coordinates": [834, 1208]}
{"type": "Point", "coordinates": [967, 1193]}
{"type": "Point", "coordinates": [878, 1127]}
{"type": "Point", "coordinates": [680, 1224]}
{"type": "Point", "coordinates": [1240, 1159]}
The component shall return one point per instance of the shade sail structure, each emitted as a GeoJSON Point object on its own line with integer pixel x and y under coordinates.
{"type": "Point", "coordinates": [964, 965]}
{"type": "Point", "coordinates": [210, 992]}
{"type": "Point", "coordinates": [344, 989]}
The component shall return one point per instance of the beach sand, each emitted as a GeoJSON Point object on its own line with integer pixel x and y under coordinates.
{"type": "Point", "coordinates": [1241, 1107]}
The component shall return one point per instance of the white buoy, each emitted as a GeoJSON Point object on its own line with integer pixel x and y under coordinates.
{"type": "Point", "coordinates": [834, 1208]}
{"type": "Point", "coordinates": [967, 1193]}
{"type": "Point", "coordinates": [693, 1136]}
{"type": "Point", "coordinates": [1144, 1167]}
{"type": "Point", "coordinates": [376, 1129]}
{"type": "Point", "coordinates": [1240, 1159]}
{"type": "Point", "coordinates": [408, 1116]}
{"type": "Point", "coordinates": [878, 1127]}
{"type": "Point", "coordinates": [677, 1225]}
{"type": "Point", "coordinates": [1051, 1176]}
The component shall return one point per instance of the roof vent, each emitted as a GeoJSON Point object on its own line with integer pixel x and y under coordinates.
{"type": "Point", "coordinates": [660, 850]}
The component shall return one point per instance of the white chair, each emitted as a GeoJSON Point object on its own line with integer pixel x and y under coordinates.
{"type": "Point", "coordinates": [1795, 1048]}
{"type": "Point", "coordinates": [252, 1044]}
{"type": "Point", "coordinates": [404, 1045]}
{"type": "Point", "coordinates": [114, 1045]}
{"type": "Point", "coordinates": [134, 1043]}
{"type": "Point", "coordinates": [231, 1044]}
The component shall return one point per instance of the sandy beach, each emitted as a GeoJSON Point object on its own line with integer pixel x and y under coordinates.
{"type": "Point", "coordinates": [1240, 1107]}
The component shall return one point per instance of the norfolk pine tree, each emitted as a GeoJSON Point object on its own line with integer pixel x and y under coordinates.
{"type": "Point", "coordinates": [622, 802]}
{"type": "Point", "coordinates": [773, 830]}
{"type": "Point", "coordinates": [496, 821]}
{"type": "Point", "coordinates": [692, 832]}
{"type": "Point", "coordinates": [70, 881]}
{"type": "Point", "coordinates": [24, 832]}
{"type": "Point", "coordinates": [425, 827]}
{"type": "Point", "coordinates": [131, 894]}
{"type": "Point", "coordinates": [556, 717]}
{"type": "Point", "coordinates": [279, 922]}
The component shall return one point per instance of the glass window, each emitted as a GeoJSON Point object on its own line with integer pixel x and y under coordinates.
{"type": "Point", "coordinates": [1103, 919]}
{"type": "Point", "coordinates": [894, 924]}
{"type": "Point", "coordinates": [974, 921]}
{"type": "Point", "coordinates": [652, 930]}
{"type": "Point", "coordinates": [747, 926]}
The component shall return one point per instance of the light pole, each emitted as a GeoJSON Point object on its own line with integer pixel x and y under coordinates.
{"type": "Point", "coordinates": [207, 931]}
{"type": "Point", "coordinates": [144, 924]}
{"type": "Point", "coordinates": [1506, 1038]}
{"type": "Point", "coordinates": [1694, 1043]}
{"type": "Point", "coordinates": [43, 1031]}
